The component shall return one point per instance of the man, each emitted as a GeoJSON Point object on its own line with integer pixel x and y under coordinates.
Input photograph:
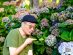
{"type": "Point", "coordinates": [19, 41]}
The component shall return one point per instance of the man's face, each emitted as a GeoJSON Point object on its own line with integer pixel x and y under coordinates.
{"type": "Point", "coordinates": [29, 28]}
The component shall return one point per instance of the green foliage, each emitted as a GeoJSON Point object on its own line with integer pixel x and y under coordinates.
{"type": "Point", "coordinates": [8, 10]}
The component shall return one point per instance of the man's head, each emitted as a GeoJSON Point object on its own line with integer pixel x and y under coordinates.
{"type": "Point", "coordinates": [28, 24]}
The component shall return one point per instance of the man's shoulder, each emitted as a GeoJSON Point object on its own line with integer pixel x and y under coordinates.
{"type": "Point", "coordinates": [12, 33]}
{"type": "Point", "coordinates": [14, 30]}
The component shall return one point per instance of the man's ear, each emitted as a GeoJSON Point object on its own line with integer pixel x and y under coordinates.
{"type": "Point", "coordinates": [22, 24]}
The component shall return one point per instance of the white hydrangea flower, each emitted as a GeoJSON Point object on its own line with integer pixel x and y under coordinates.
{"type": "Point", "coordinates": [69, 21]}
{"type": "Point", "coordinates": [66, 48]}
{"type": "Point", "coordinates": [39, 10]}
{"type": "Point", "coordinates": [35, 10]}
{"type": "Point", "coordinates": [45, 9]}
{"type": "Point", "coordinates": [69, 9]}
{"type": "Point", "coordinates": [19, 9]}
{"type": "Point", "coordinates": [5, 19]}
{"type": "Point", "coordinates": [50, 40]}
{"type": "Point", "coordinates": [2, 39]}
{"type": "Point", "coordinates": [12, 24]}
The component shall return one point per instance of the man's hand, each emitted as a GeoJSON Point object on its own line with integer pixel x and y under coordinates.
{"type": "Point", "coordinates": [29, 41]}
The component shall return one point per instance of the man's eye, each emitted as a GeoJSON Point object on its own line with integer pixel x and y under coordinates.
{"type": "Point", "coordinates": [30, 26]}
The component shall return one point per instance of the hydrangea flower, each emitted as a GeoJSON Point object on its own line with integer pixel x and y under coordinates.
{"type": "Point", "coordinates": [44, 23]}
{"type": "Point", "coordinates": [12, 24]}
{"type": "Point", "coordinates": [39, 10]}
{"type": "Point", "coordinates": [71, 15]}
{"type": "Point", "coordinates": [2, 39]}
{"type": "Point", "coordinates": [44, 10]}
{"type": "Point", "coordinates": [53, 27]}
{"type": "Point", "coordinates": [5, 19]}
{"type": "Point", "coordinates": [54, 16]}
{"type": "Point", "coordinates": [37, 32]}
{"type": "Point", "coordinates": [66, 13]}
{"type": "Point", "coordinates": [50, 40]}
{"type": "Point", "coordinates": [69, 21]}
{"type": "Point", "coordinates": [55, 32]}
{"type": "Point", "coordinates": [54, 22]}
{"type": "Point", "coordinates": [70, 8]}
{"type": "Point", "coordinates": [63, 16]}
{"type": "Point", "coordinates": [9, 3]}
{"type": "Point", "coordinates": [66, 48]}
{"type": "Point", "coordinates": [19, 9]}
{"type": "Point", "coordinates": [49, 51]}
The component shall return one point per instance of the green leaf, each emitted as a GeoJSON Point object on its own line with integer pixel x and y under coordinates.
{"type": "Point", "coordinates": [10, 17]}
{"type": "Point", "coordinates": [65, 35]}
{"type": "Point", "coordinates": [71, 35]}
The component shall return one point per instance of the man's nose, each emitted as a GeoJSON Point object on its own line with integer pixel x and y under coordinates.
{"type": "Point", "coordinates": [32, 29]}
